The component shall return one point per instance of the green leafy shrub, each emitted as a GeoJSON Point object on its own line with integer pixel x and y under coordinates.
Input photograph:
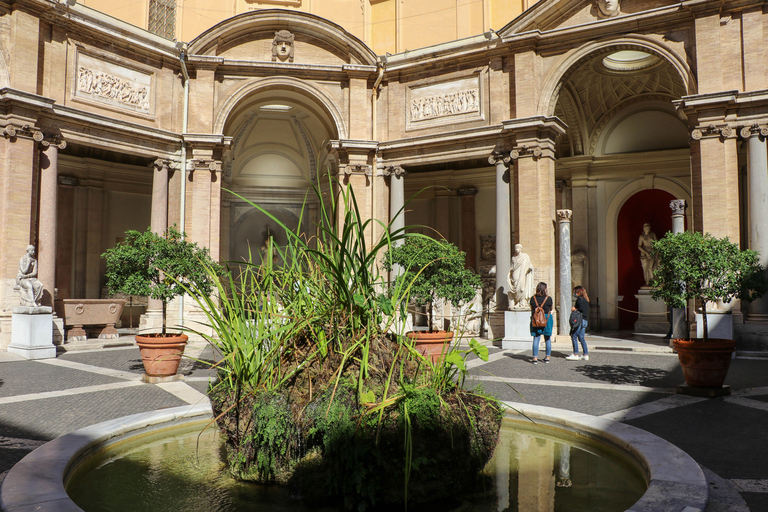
{"type": "Point", "coordinates": [160, 266]}
{"type": "Point", "coordinates": [432, 269]}
{"type": "Point", "coordinates": [703, 267]}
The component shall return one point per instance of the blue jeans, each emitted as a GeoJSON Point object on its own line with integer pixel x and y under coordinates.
{"type": "Point", "coordinates": [578, 337]}
{"type": "Point", "coordinates": [536, 340]}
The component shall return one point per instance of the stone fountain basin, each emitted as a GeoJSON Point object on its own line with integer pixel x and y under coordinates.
{"type": "Point", "coordinates": [676, 482]}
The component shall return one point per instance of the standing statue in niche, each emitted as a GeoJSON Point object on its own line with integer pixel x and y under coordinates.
{"type": "Point", "coordinates": [282, 46]}
{"type": "Point", "coordinates": [26, 279]}
{"type": "Point", "coordinates": [520, 280]}
{"type": "Point", "coordinates": [648, 261]}
{"type": "Point", "coordinates": [607, 8]}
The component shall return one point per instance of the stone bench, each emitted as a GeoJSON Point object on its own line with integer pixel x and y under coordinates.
{"type": "Point", "coordinates": [81, 312]}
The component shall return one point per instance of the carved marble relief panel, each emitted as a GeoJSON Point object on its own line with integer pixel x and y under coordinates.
{"type": "Point", "coordinates": [108, 83]}
{"type": "Point", "coordinates": [444, 103]}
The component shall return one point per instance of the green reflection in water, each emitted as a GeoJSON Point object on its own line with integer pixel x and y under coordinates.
{"type": "Point", "coordinates": [534, 469]}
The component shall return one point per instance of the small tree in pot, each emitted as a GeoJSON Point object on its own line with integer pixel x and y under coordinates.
{"type": "Point", "coordinates": [156, 265]}
{"type": "Point", "coordinates": [696, 266]}
{"type": "Point", "coordinates": [433, 269]}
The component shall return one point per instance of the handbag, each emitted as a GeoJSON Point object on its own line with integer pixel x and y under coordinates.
{"type": "Point", "coordinates": [575, 320]}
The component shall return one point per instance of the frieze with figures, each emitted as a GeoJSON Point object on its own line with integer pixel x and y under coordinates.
{"type": "Point", "coordinates": [104, 85]}
{"type": "Point", "coordinates": [449, 101]}
{"type": "Point", "coordinates": [445, 104]}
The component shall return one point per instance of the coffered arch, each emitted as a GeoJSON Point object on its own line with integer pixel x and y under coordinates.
{"type": "Point", "coordinates": [598, 86]}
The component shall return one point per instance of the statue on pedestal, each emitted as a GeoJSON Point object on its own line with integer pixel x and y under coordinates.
{"type": "Point", "coordinates": [30, 287]}
{"type": "Point", "coordinates": [645, 244]}
{"type": "Point", "coordinates": [520, 280]}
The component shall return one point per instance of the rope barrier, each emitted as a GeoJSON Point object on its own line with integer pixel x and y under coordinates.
{"type": "Point", "coordinates": [632, 311]}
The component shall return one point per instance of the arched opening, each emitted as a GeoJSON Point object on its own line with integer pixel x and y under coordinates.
{"type": "Point", "coordinates": [279, 137]}
{"type": "Point", "coordinates": [647, 206]}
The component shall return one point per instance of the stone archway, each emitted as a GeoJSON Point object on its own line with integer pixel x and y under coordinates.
{"type": "Point", "coordinates": [610, 282]}
{"type": "Point", "coordinates": [279, 131]}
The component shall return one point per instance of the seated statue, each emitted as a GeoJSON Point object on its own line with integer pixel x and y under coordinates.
{"type": "Point", "coordinates": [26, 279]}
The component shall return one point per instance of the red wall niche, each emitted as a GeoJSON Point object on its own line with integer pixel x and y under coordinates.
{"type": "Point", "coordinates": [650, 206]}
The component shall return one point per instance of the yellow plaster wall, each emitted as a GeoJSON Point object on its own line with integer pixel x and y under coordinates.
{"type": "Point", "coordinates": [385, 25]}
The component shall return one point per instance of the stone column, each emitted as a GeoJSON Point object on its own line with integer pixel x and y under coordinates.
{"type": "Point", "coordinates": [564, 285]}
{"type": "Point", "coordinates": [158, 224]}
{"type": "Point", "coordinates": [468, 229]}
{"type": "Point", "coordinates": [396, 196]}
{"type": "Point", "coordinates": [503, 231]}
{"type": "Point", "coordinates": [679, 323]}
{"type": "Point", "coordinates": [396, 205]}
{"type": "Point", "coordinates": [757, 169]}
{"type": "Point", "coordinates": [46, 247]}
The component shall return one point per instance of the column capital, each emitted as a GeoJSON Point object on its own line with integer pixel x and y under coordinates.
{"type": "Point", "coordinates": [712, 131]}
{"type": "Point", "coordinates": [564, 215]}
{"type": "Point", "coordinates": [350, 169]}
{"type": "Point", "coordinates": [752, 130]}
{"type": "Point", "coordinates": [526, 150]}
{"type": "Point", "coordinates": [395, 171]}
{"type": "Point", "coordinates": [678, 206]}
{"type": "Point", "coordinates": [161, 164]}
{"type": "Point", "coordinates": [497, 157]}
{"type": "Point", "coordinates": [203, 164]}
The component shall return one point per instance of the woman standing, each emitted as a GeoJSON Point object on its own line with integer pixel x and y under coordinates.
{"type": "Point", "coordinates": [541, 299]}
{"type": "Point", "coordinates": [582, 306]}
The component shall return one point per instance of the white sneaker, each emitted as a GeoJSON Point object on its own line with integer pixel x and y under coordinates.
{"type": "Point", "coordinates": [585, 358]}
{"type": "Point", "coordinates": [573, 357]}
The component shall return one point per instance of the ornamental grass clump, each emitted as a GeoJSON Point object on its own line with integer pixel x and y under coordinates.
{"type": "Point", "coordinates": [317, 391]}
{"type": "Point", "coordinates": [703, 267]}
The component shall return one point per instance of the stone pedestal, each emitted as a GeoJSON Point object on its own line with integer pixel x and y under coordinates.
{"type": "Point", "coordinates": [517, 330]}
{"type": "Point", "coordinates": [719, 325]}
{"type": "Point", "coordinates": [653, 314]}
{"type": "Point", "coordinates": [32, 332]}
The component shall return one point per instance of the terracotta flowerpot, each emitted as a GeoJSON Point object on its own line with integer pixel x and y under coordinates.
{"type": "Point", "coordinates": [161, 353]}
{"type": "Point", "coordinates": [433, 344]}
{"type": "Point", "coordinates": [705, 364]}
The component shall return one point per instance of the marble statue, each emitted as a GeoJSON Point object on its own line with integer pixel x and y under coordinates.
{"type": "Point", "coordinates": [520, 280]}
{"type": "Point", "coordinates": [608, 8]}
{"type": "Point", "coordinates": [282, 46]}
{"type": "Point", "coordinates": [26, 279]}
{"type": "Point", "coordinates": [645, 244]}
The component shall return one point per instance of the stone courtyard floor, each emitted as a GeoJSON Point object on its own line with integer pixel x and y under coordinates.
{"type": "Point", "coordinates": [631, 380]}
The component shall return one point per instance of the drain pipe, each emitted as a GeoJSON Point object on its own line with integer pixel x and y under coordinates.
{"type": "Point", "coordinates": [374, 134]}
{"type": "Point", "coordinates": [182, 47]}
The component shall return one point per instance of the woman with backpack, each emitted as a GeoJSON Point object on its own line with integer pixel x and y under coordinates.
{"type": "Point", "coordinates": [541, 321]}
{"type": "Point", "coordinates": [577, 331]}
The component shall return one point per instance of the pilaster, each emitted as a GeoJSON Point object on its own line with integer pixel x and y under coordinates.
{"type": "Point", "coordinates": [24, 58]}
{"type": "Point", "coordinates": [715, 181]}
{"type": "Point", "coordinates": [356, 172]}
{"type": "Point", "coordinates": [534, 186]}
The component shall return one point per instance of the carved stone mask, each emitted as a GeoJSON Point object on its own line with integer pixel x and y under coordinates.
{"type": "Point", "coordinates": [282, 46]}
{"type": "Point", "coordinates": [608, 7]}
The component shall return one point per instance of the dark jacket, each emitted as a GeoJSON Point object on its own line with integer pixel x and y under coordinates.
{"type": "Point", "coordinates": [582, 305]}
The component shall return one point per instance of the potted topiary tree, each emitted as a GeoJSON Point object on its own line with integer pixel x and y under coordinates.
{"type": "Point", "coordinates": [157, 266]}
{"type": "Point", "coordinates": [433, 269]}
{"type": "Point", "coordinates": [709, 269]}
